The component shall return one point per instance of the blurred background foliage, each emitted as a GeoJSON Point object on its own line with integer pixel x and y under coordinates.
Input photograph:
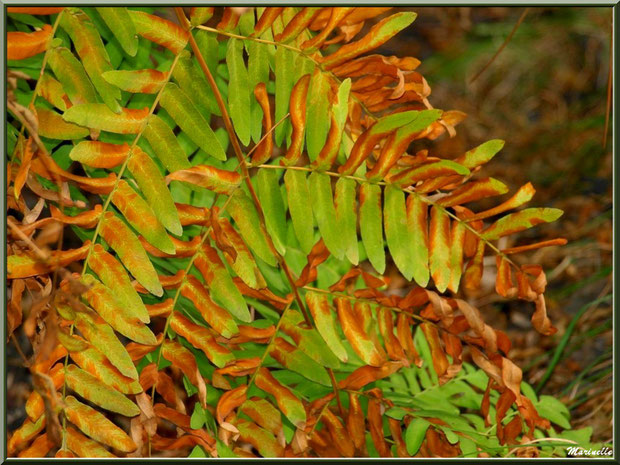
{"type": "Point", "coordinates": [546, 95]}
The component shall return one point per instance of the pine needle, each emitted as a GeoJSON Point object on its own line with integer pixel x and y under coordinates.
{"type": "Point", "coordinates": [499, 50]}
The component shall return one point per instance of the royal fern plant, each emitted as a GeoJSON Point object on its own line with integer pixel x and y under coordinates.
{"type": "Point", "coordinates": [204, 206]}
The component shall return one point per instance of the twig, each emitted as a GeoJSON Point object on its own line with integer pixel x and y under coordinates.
{"type": "Point", "coordinates": [499, 50]}
{"type": "Point", "coordinates": [534, 441]}
{"type": "Point", "coordinates": [44, 256]}
{"type": "Point", "coordinates": [609, 79]}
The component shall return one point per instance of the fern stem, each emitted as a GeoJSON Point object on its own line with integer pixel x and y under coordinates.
{"type": "Point", "coordinates": [103, 211]}
{"type": "Point", "coordinates": [244, 168]}
{"type": "Point", "coordinates": [408, 190]}
{"type": "Point", "coordinates": [189, 267]}
{"type": "Point", "coordinates": [246, 176]}
{"type": "Point", "coordinates": [318, 419]}
{"type": "Point", "coordinates": [362, 299]}
{"type": "Point", "coordinates": [254, 39]}
{"type": "Point", "coordinates": [203, 239]}
{"type": "Point", "coordinates": [267, 134]}
{"type": "Point", "coordinates": [336, 391]}
{"type": "Point", "coordinates": [266, 352]}
{"type": "Point", "coordinates": [187, 270]}
{"type": "Point", "coordinates": [206, 233]}
{"type": "Point", "coordinates": [123, 167]}
{"type": "Point", "coordinates": [297, 50]}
